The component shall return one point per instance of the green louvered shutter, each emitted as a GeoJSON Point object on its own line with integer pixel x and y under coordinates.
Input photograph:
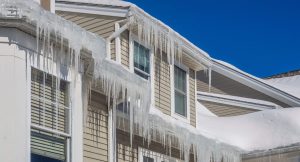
{"type": "Point", "coordinates": [44, 113]}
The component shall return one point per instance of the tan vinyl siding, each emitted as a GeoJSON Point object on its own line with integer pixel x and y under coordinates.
{"type": "Point", "coordinates": [224, 85]}
{"type": "Point", "coordinates": [162, 84]}
{"type": "Point", "coordinates": [101, 25]}
{"type": "Point", "coordinates": [192, 97]}
{"type": "Point", "coordinates": [125, 48]}
{"type": "Point", "coordinates": [95, 137]}
{"type": "Point", "coordinates": [226, 110]}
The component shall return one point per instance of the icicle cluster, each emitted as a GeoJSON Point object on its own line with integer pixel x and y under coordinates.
{"type": "Point", "coordinates": [59, 50]}
{"type": "Point", "coordinates": [164, 39]}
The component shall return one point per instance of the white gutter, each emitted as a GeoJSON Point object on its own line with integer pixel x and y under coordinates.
{"type": "Point", "coordinates": [277, 151]}
{"type": "Point", "coordinates": [242, 102]}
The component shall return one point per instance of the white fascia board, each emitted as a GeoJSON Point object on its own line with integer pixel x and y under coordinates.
{"type": "Point", "coordinates": [96, 10]}
{"type": "Point", "coordinates": [246, 103]}
{"type": "Point", "coordinates": [256, 84]}
{"type": "Point", "coordinates": [276, 151]}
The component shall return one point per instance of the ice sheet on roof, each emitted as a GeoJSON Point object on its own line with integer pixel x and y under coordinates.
{"type": "Point", "coordinates": [262, 130]}
{"type": "Point", "coordinates": [290, 85]}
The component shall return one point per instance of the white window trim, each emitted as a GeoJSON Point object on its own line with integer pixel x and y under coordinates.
{"type": "Point", "coordinates": [133, 38]}
{"type": "Point", "coordinates": [173, 113]}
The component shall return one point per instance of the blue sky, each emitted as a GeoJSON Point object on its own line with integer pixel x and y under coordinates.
{"type": "Point", "coordinates": [261, 37]}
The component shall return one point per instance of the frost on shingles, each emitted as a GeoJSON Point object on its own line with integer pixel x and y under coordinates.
{"type": "Point", "coordinates": [59, 49]}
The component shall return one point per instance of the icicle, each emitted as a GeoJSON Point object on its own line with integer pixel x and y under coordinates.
{"type": "Point", "coordinates": [209, 79]}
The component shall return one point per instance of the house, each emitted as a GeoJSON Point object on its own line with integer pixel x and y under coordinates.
{"type": "Point", "coordinates": [105, 81]}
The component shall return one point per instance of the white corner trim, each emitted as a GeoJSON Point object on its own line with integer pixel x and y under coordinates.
{"type": "Point", "coordinates": [195, 98]}
{"type": "Point", "coordinates": [77, 123]}
{"type": "Point", "coordinates": [118, 44]}
{"type": "Point", "coordinates": [131, 53]}
{"type": "Point", "coordinates": [52, 6]}
{"type": "Point", "coordinates": [152, 75]}
{"type": "Point", "coordinates": [246, 103]}
{"type": "Point", "coordinates": [98, 10]}
{"type": "Point", "coordinates": [28, 108]}
{"type": "Point", "coordinates": [110, 136]}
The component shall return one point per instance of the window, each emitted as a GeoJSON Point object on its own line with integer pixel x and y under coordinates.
{"type": "Point", "coordinates": [180, 91]}
{"type": "Point", "coordinates": [151, 156]}
{"type": "Point", "coordinates": [141, 60]}
{"type": "Point", "coordinates": [50, 118]}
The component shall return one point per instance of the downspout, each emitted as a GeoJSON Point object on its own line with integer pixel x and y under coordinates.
{"type": "Point", "coordinates": [111, 125]}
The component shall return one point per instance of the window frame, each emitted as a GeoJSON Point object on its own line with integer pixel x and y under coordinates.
{"type": "Point", "coordinates": [150, 58]}
{"type": "Point", "coordinates": [180, 117]}
{"type": "Point", "coordinates": [134, 38]}
{"type": "Point", "coordinates": [66, 135]}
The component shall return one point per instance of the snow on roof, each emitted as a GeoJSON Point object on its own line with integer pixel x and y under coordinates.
{"type": "Point", "coordinates": [290, 85]}
{"type": "Point", "coordinates": [263, 130]}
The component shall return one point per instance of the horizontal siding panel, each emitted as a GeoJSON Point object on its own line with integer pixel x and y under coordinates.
{"type": "Point", "coordinates": [95, 137]}
{"type": "Point", "coordinates": [226, 110]}
{"type": "Point", "coordinates": [162, 85]}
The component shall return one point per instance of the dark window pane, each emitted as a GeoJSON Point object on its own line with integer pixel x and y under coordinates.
{"type": "Point", "coordinates": [180, 79]}
{"type": "Point", "coordinates": [39, 158]}
{"type": "Point", "coordinates": [147, 159]}
{"type": "Point", "coordinates": [141, 58]}
{"type": "Point", "coordinates": [180, 104]}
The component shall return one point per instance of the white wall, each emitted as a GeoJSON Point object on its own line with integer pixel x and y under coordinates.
{"type": "Point", "coordinates": [14, 100]}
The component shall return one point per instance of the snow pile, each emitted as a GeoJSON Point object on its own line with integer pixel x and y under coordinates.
{"type": "Point", "coordinates": [290, 84]}
{"type": "Point", "coordinates": [174, 132]}
{"type": "Point", "coordinates": [261, 130]}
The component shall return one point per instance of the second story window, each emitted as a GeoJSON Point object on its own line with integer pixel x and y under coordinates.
{"type": "Point", "coordinates": [141, 60]}
{"type": "Point", "coordinates": [180, 91]}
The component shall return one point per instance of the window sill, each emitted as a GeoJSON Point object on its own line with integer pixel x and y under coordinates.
{"type": "Point", "coordinates": [181, 118]}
